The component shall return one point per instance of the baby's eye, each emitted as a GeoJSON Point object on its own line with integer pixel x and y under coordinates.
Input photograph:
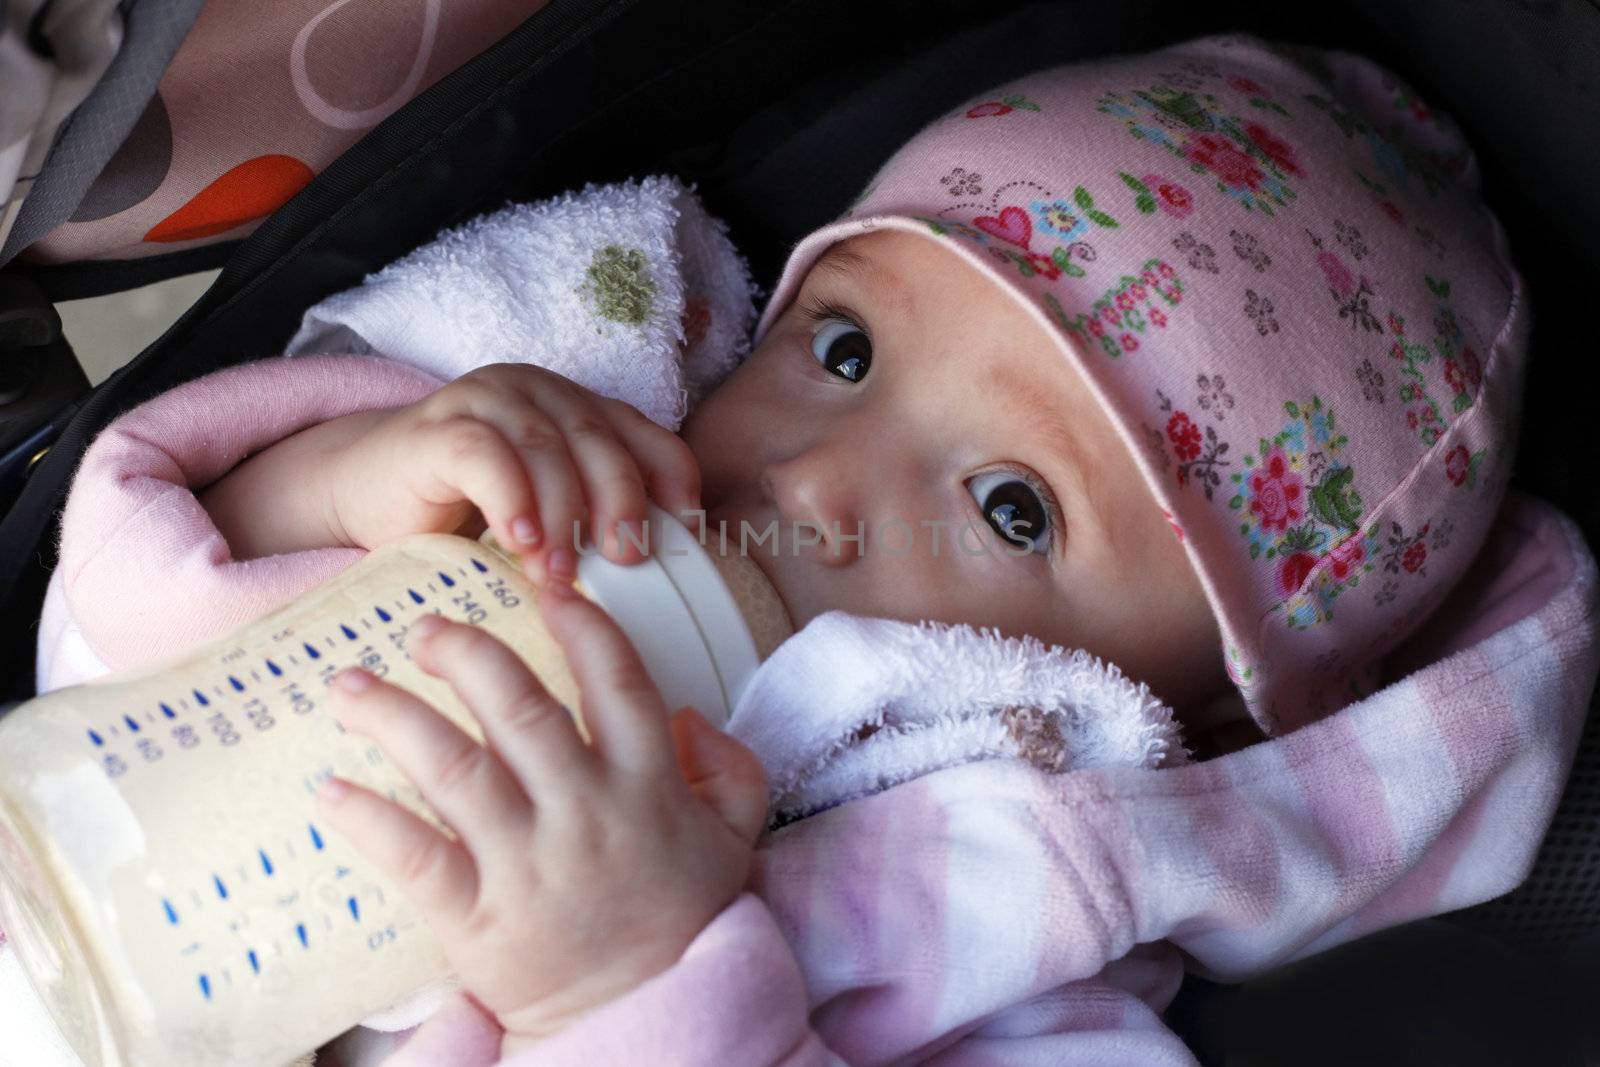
{"type": "Point", "coordinates": [843, 348]}
{"type": "Point", "coordinates": [1015, 508]}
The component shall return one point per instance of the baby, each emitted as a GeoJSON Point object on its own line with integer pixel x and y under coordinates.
{"type": "Point", "coordinates": [1204, 361]}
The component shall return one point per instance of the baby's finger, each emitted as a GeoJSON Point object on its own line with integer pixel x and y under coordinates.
{"type": "Point", "coordinates": [562, 510]}
{"type": "Point", "coordinates": [671, 473]}
{"type": "Point", "coordinates": [530, 730]}
{"type": "Point", "coordinates": [611, 479]}
{"type": "Point", "coordinates": [473, 792]}
{"type": "Point", "coordinates": [471, 459]}
{"type": "Point", "coordinates": [508, 403]}
{"type": "Point", "coordinates": [434, 872]}
{"type": "Point", "coordinates": [622, 705]}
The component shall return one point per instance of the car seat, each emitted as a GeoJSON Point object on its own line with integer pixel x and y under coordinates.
{"type": "Point", "coordinates": [780, 112]}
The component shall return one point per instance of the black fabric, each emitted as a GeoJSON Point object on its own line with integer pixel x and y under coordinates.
{"type": "Point", "coordinates": [781, 112]}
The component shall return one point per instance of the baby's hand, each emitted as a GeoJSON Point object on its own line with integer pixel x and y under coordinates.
{"type": "Point", "coordinates": [579, 870]}
{"type": "Point", "coordinates": [520, 450]}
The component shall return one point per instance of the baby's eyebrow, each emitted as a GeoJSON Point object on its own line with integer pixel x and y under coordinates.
{"type": "Point", "coordinates": [1043, 423]}
{"type": "Point", "coordinates": [842, 263]}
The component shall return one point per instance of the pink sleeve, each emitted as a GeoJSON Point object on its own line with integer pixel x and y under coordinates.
{"type": "Point", "coordinates": [143, 572]}
{"type": "Point", "coordinates": [734, 997]}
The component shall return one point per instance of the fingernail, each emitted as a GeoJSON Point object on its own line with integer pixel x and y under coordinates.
{"type": "Point", "coordinates": [353, 680]}
{"type": "Point", "coordinates": [524, 530]}
{"type": "Point", "coordinates": [426, 627]}
{"type": "Point", "coordinates": [333, 789]}
{"type": "Point", "coordinates": [563, 564]}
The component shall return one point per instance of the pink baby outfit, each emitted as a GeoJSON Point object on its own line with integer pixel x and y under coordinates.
{"type": "Point", "coordinates": [991, 912]}
{"type": "Point", "coordinates": [1271, 266]}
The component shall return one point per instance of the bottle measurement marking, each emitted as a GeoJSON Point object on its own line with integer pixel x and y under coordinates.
{"type": "Point", "coordinates": [115, 765]}
{"type": "Point", "coordinates": [211, 988]}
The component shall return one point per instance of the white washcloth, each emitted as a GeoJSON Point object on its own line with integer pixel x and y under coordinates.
{"type": "Point", "coordinates": [851, 705]}
{"type": "Point", "coordinates": [603, 286]}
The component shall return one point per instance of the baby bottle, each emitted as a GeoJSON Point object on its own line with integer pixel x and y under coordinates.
{"type": "Point", "coordinates": [163, 876]}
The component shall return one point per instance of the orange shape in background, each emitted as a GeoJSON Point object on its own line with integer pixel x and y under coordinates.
{"type": "Point", "coordinates": [255, 188]}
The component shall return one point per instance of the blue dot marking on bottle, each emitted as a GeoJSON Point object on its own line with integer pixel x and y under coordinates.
{"type": "Point", "coordinates": [167, 711]}
{"type": "Point", "coordinates": [266, 864]}
{"type": "Point", "coordinates": [415, 596]}
{"type": "Point", "coordinates": [222, 890]}
{"type": "Point", "coordinates": [201, 697]}
{"type": "Point", "coordinates": [132, 725]}
{"type": "Point", "coordinates": [205, 986]}
{"type": "Point", "coordinates": [300, 932]}
{"type": "Point", "coordinates": [255, 964]}
{"type": "Point", "coordinates": [384, 615]}
{"type": "Point", "coordinates": [446, 579]}
{"type": "Point", "coordinates": [481, 568]}
{"type": "Point", "coordinates": [355, 909]}
{"type": "Point", "coordinates": [313, 653]}
{"type": "Point", "coordinates": [274, 668]}
{"type": "Point", "coordinates": [172, 913]}
{"type": "Point", "coordinates": [316, 838]}
{"type": "Point", "coordinates": [348, 633]}
{"type": "Point", "coordinates": [96, 738]}
{"type": "Point", "coordinates": [238, 686]}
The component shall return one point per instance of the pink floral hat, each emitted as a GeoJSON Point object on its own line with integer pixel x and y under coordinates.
{"type": "Point", "coordinates": [1273, 266]}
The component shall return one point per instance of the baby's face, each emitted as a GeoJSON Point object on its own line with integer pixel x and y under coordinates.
{"type": "Point", "coordinates": [904, 395]}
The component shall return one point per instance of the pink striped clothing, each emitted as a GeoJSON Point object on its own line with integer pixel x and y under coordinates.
{"type": "Point", "coordinates": [988, 913]}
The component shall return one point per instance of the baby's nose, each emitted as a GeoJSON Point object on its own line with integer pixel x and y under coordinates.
{"type": "Point", "coordinates": [817, 510]}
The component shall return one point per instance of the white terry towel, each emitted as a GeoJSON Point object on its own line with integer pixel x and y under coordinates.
{"type": "Point", "coordinates": [851, 705]}
{"type": "Point", "coordinates": [603, 286]}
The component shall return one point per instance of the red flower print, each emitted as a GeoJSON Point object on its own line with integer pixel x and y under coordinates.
{"type": "Point", "coordinates": [1453, 375]}
{"type": "Point", "coordinates": [1184, 435]}
{"type": "Point", "coordinates": [1129, 343]}
{"type": "Point", "coordinates": [1111, 315]}
{"type": "Point", "coordinates": [1411, 418]}
{"type": "Point", "coordinates": [994, 107]}
{"type": "Point", "coordinates": [1158, 316]}
{"type": "Point", "coordinates": [1124, 302]}
{"type": "Point", "coordinates": [1173, 198]}
{"type": "Point", "coordinates": [1340, 280]}
{"type": "Point", "coordinates": [1474, 366]}
{"type": "Point", "coordinates": [1148, 276]}
{"type": "Point", "coordinates": [1277, 493]}
{"type": "Point", "coordinates": [1223, 158]}
{"type": "Point", "coordinates": [1415, 557]}
{"type": "Point", "coordinates": [696, 319]}
{"type": "Point", "coordinates": [1013, 226]}
{"type": "Point", "coordinates": [1345, 555]}
{"type": "Point", "coordinates": [1393, 212]}
{"type": "Point", "coordinates": [1044, 265]}
{"type": "Point", "coordinates": [1138, 291]}
{"type": "Point", "coordinates": [1273, 147]}
{"type": "Point", "coordinates": [1293, 572]}
{"type": "Point", "coordinates": [1166, 269]}
{"type": "Point", "coordinates": [1095, 329]}
{"type": "Point", "coordinates": [1246, 85]}
{"type": "Point", "coordinates": [1456, 465]}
